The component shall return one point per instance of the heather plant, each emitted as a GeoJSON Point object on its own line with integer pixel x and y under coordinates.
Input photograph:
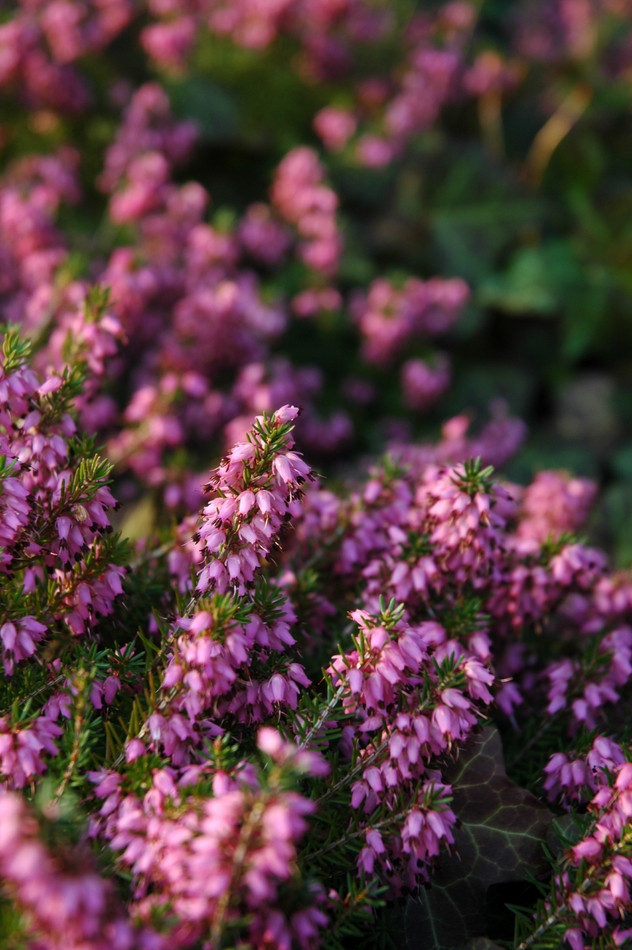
{"type": "Point", "coordinates": [267, 756]}
{"type": "Point", "coordinates": [379, 700]}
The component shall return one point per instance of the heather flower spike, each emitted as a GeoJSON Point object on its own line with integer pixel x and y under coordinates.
{"type": "Point", "coordinates": [256, 489]}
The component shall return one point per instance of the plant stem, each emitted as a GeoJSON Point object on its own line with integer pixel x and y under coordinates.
{"type": "Point", "coordinates": [325, 712]}
{"type": "Point", "coordinates": [83, 680]}
{"type": "Point", "coordinates": [241, 851]}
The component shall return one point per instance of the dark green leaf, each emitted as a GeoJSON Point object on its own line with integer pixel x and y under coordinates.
{"type": "Point", "coordinates": [503, 829]}
{"type": "Point", "coordinates": [211, 107]}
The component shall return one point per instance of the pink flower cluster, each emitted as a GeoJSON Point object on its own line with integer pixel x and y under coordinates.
{"type": "Point", "coordinates": [24, 747]}
{"type": "Point", "coordinates": [570, 776]}
{"type": "Point", "coordinates": [256, 489]}
{"type": "Point", "coordinates": [554, 504]}
{"type": "Point", "coordinates": [335, 127]}
{"type": "Point", "coordinates": [228, 658]}
{"type": "Point", "coordinates": [218, 858]}
{"type": "Point", "coordinates": [301, 198]}
{"type": "Point", "coordinates": [68, 905]}
{"type": "Point", "coordinates": [19, 640]}
{"type": "Point", "coordinates": [31, 245]}
{"type": "Point", "coordinates": [192, 309]}
{"type": "Point", "coordinates": [586, 695]}
{"type": "Point", "coordinates": [55, 508]}
{"type": "Point", "coordinates": [412, 692]}
{"type": "Point", "coordinates": [423, 383]}
{"type": "Point", "coordinates": [390, 318]}
{"type": "Point", "coordinates": [53, 523]}
{"type": "Point", "coordinates": [389, 109]}
{"type": "Point", "coordinates": [210, 677]}
{"type": "Point", "coordinates": [412, 538]}
{"type": "Point", "coordinates": [427, 535]}
{"type": "Point", "coordinates": [327, 30]}
{"type": "Point", "coordinates": [148, 143]}
{"type": "Point", "coordinates": [594, 889]}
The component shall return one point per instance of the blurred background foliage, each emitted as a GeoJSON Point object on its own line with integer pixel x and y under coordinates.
{"type": "Point", "coordinates": [526, 195]}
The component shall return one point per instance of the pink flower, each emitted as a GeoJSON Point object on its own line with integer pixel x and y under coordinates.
{"type": "Point", "coordinates": [335, 127]}
{"type": "Point", "coordinates": [423, 384]}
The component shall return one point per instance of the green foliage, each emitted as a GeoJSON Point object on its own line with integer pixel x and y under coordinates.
{"type": "Point", "coordinates": [475, 479]}
{"type": "Point", "coordinates": [357, 900]}
{"type": "Point", "coordinates": [15, 348]}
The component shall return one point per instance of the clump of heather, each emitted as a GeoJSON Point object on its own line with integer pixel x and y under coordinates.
{"type": "Point", "coordinates": [589, 897]}
{"type": "Point", "coordinates": [62, 568]}
{"type": "Point", "coordinates": [65, 900]}
{"type": "Point", "coordinates": [258, 722]}
{"type": "Point", "coordinates": [266, 752]}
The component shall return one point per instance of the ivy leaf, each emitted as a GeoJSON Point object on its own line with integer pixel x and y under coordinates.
{"type": "Point", "coordinates": [503, 828]}
{"type": "Point", "coordinates": [535, 280]}
{"type": "Point", "coordinates": [554, 278]}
